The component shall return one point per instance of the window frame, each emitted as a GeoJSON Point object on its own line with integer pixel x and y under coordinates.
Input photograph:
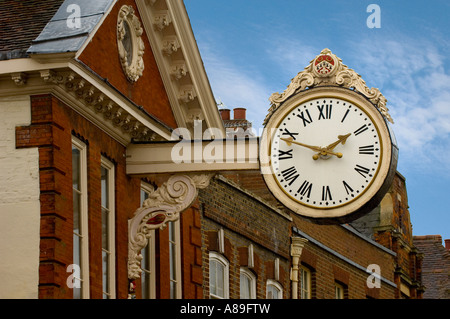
{"type": "Point", "coordinates": [175, 248]}
{"type": "Point", "coordinates": [276, 285]}
{"type": "Point", "coordinates": [339, 290]}
{"type": "Point", "coordinates": [252, 283]}
{"type": "Point", "coordinates": [110, 252]}
{"type": "Point", "coordinates": [216, 257]}
{"type": "Point", "coordinates": [83, 249]}
{"type": "Point", "coordinates": [305, 292]}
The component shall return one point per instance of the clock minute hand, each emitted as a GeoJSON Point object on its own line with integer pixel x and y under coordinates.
{"type": "Point", "coordinates": [290, 141]}
{"type": "Point", "coordinates": [341, 139]}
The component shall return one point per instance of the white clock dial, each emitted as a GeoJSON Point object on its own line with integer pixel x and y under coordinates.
{"type": "Point", "coordinates": [325, 152]}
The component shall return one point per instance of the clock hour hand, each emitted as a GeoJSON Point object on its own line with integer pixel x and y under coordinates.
{"type": "Point", "coordinates": [341, 139]}
{"type": "Point", "coordinates": [321, 150]}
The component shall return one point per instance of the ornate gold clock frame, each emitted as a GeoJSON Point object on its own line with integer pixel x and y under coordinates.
{"type": "Point", "coordinates": [364, 136]}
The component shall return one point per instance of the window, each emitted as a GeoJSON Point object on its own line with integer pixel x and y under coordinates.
{"type": "Point", "coordinates": [247, 284]}
{"type": "Point", "coordinates": [148, 278]}
{"type": "Point", "coordinates": [80, 219]}
{"type": "Point", "coordinates": [108, 228]}
{"type": "Point", "coordinates": [273, 290]}
{"type": "Point", "coordinates": [175, 259]}
{"type": "Point", "coordinates": [339, 290]}
{"type": "Point", "coordinates": [218, 276]}
{"type": "Point", "coordinates": [305, 283]}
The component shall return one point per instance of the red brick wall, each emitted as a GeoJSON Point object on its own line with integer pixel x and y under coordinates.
{"type": "Point", "coordinates": [327, 268]}
{"type": "Point", "coordinates": [191, 238]}
{"type": "Point", "coordinates": [52, 126]}
{"type": "Point", "coordinates": [102, 56]}
{"type": "Point", "coordinates": [245, 221]}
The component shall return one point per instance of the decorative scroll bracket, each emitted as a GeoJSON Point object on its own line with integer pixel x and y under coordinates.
{"type": "Point", "coordinates": [163, 205]}
{"type": "Point", "coordinates": [328, 70]}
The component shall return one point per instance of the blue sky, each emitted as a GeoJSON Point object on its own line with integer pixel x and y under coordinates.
{"type": "Point", "coordinates": [254, 48]}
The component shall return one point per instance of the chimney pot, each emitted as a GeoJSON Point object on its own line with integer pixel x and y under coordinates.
{"type": "Point", "coordinates": [239, 113]}
{"type": "Point", "coordinates": [225, 114]}
{"type": "Point", "coordinates": [447, 244]}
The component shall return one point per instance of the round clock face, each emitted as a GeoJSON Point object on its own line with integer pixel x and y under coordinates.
{"type": "Point", "coordinates": [328, 155]}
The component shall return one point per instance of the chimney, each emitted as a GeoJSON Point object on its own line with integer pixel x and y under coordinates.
{"type": "Point", "coordinates": [225, 114]}
{"type": "Point", "coordinates": [447, 244]}
{"type": "Point", "coordinates": [239, 113]}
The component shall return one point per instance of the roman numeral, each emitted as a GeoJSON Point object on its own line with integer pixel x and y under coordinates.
{"type": "Point", "coordinates": [361, 129]}
{"type": "Point", "coordinates": [305, 189]}
{"type": "Point", "coordinates": [326, 193]}
{"type": "Point", "coordinates": [286, 132]}
{"type": "Point", "coordinates": [363, 171]}
{"type": "Point", "coordinates": [305, 120]}
{"type": "Point", "coordinates": [327, 114]}
{"type": "Point", "coordinates": [282, 155]}
{"type": "Point", "coordinates": [345, 115]}
{"type": "Point", "coordinates": [367, 150]}
{"type": "Point", "coordinates": [347, 187]}
{"type": "Point", "coordinates": [290, 175]}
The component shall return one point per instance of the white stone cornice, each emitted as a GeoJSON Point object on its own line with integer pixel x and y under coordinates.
{"type": "Point", "coordinates": [175, 50]}
{"type": "Point", "coordinates": [170, 45]}
{"type": "Point", "coordinates": [19, 78]}
{"type": "Point", "coordinates": [90, 96]}
{"type": "Point", "coordinates": [161, 20]}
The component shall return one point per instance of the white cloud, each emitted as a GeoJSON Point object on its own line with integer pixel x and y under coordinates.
{"type": "Point", "coordinates": [413, 77]}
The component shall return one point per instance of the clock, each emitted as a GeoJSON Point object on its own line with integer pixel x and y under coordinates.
{"type": "Point", "coordinates": [328, 154]}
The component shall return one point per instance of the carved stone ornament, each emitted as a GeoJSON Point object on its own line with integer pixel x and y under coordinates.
{"type": "Point", "coordinates": [163, 205]}
{"type": "Point", "coordinates": [130, 44]}
{"type": "Point", "coordinates": [328, 70]}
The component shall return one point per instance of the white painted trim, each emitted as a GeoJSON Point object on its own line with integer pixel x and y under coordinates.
{"type": "Point", "coordinates": [195, 65]}
{"type": "Point", "coordinates": [178, 275]}
{"type": "Point", "coordinates": [118, 99]}
{"type": "Point", "coordinates": [214, 256]}
{"type": "Point", "coordinates": [28, 65]}
{"type": "Point", "coordinates": [277, 285]}
{"type": "Point", "coordinates": [109, 166]}
{"type": "Point", "coordinates": [84, 213]}
{"type": "Point", "coordinates": [190, 156]}
{"type": "Point", "coordinates": [199, 103]}
{"type": "Point", "coordinates": [252, 278]}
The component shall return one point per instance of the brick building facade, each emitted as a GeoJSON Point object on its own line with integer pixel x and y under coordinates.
{"type": "Point", "coordinates": [73, 105]}
{"type": "Point", "coordinates": [435, 266]}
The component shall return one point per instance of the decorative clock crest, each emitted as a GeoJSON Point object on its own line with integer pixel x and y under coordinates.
{"type": "Point", "coordinates": [325, 64]}
{"type": "Point", "coordinates": [327, 152]}
{"type": "Point", "coordinates": [328, 69]}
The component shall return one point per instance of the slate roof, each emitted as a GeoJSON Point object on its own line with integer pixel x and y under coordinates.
{"type": "Point", "coordinates": [41, 26]}
{"type": "Point", "coordinates": [21, 22]}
